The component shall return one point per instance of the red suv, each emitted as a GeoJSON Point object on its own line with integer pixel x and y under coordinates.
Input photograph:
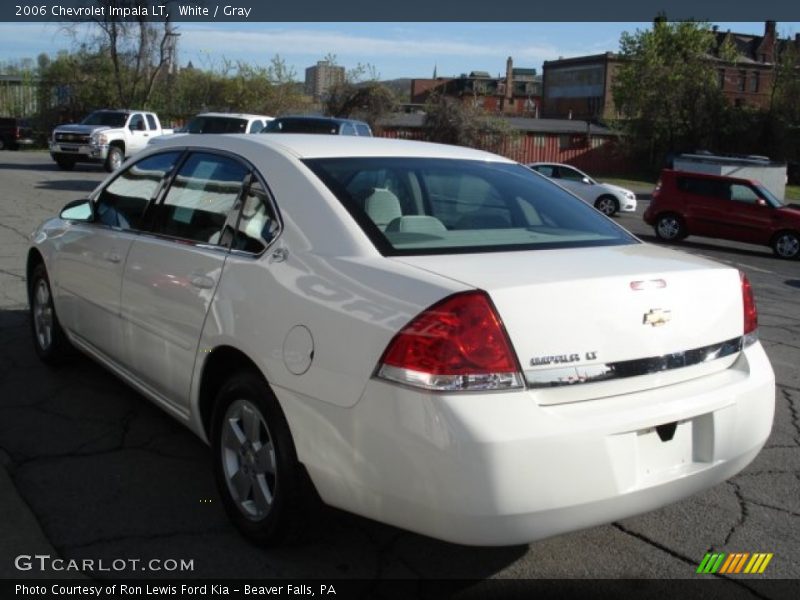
{"type": "Point", "coordinates": [723, 207]}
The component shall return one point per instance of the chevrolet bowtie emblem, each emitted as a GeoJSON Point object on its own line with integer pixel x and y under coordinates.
{"type": "Point", "coordinates": [656, 317]}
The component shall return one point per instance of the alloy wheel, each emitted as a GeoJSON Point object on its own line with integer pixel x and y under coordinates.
{"type": "Point", "coordinates": [669, 227]}
{"type": "Point", "coordinates": [43, 315]}
{"type": "Point", "coordinates": [248, 459]}
{"type": "Point", "coordinates": [787, 245]}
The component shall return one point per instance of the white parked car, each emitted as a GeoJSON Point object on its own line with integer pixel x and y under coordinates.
{"type": "Point", "coordinates": [218, 122]}
{"type": "Point", "coordinates": [605, 197]}
{"type": "Point", "coordinates": [440, 338]}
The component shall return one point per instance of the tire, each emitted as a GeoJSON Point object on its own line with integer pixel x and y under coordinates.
{"type": "Point", "coordinates": [786, 244]}
{"type": "Point", "coordinates": [669, 227]}
{"type": "Point", "coordinates": [49, 339]}
{"type": "Point", "coordinates": [608, 205]}
{"type": "Point", "coordinates": [65, 164]}
{"type": "Point", "coordinates": [114, 159]}
{"type": "Point", "coordinates": [261, 490]}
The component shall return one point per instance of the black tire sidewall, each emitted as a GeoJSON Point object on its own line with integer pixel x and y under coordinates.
{"type": "Point", "coordinates": [283, 517]}
{"type": "Point", "coordinates": [681, 228]}
{"type": "Point", "coordinates": [59, 346]}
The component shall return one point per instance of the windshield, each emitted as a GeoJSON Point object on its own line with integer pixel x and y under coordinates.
{"type": "Point", "coordinates": [771, 198]}
{"type": "Point", "coordinates": [216, 125]}
{"type": "Point", "coordinates": [302, 126]}
{"type": "Point", "coordinates": [441, 206]}
{"type": "Point", "coordinates": [110, 119]}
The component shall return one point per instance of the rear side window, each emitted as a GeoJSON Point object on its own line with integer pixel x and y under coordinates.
{"type": "Point", "coordinates": [444, 206]}
{"type": "Point", "coordinates": [151, 121]}
{"type": "Point", "coordinates": [363, 129]}
{"type": "Point", "coordinates": [712, 188]}
{"type": "Point", "coordinates": [257, 224]}
{"type": "Point", "coordinates": [256, 126]}
{"type": "Point", "coordinates": [123, 203]}
{"type": "Point", "coordinates": [200, 199]}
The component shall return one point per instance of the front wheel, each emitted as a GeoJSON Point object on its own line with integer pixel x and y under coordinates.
{"type": "Point", "coordinates": [607, 205]}
{"type": "Point", "coordinates": [114, 159]}
{"type": "Point", "coordinates": [670, 228]}
{"type": "Point", "coordinates": [786, 245]}
{"type": "Point", "coordinates": [49, 339]}
{"type": "Point", "coordinates": [255, 463]}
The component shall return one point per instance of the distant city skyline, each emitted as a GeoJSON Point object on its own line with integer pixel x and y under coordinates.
{"type": "Point", "coordinates": [396, 50]}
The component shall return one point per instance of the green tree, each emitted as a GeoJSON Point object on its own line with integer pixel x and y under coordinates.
{"type": "Point", "coordinates": [449, 120]}
{"type": "Point", "coordinates": [361, 95]}
{"type": "Point", "coordinates": [666, 89]}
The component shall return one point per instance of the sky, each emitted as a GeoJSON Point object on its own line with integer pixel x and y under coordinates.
{"type": "Point", "coordinates": [394, 49]}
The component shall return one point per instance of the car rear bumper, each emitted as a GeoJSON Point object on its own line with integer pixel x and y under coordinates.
{"type": "Point", "coordinates": [499, 468]}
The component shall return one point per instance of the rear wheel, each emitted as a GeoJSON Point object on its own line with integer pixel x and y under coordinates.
{"type": "Point", "coordinates": [255, 463]}
{"type": "Point", "coordinates": [49, 339]}
{"type": "Point", "coordinates": [607, 205]}
{"type": "Point", "coordinates": [65, 164]}
{"type": "Point", "coordinates": [669, 227]}
{"type": "Point", "coordinates": [114, 159]}
{"type": "Point", "coordinates": [786, 244]}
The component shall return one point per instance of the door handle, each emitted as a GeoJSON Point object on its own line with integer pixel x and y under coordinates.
{"type": "Point", "coordinates": [112, 257]}
{"type": "Point", "coordinates": [201, 281]}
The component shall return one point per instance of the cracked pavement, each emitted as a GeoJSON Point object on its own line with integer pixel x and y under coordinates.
{"type": "Point", "coordinates": [96, 471]}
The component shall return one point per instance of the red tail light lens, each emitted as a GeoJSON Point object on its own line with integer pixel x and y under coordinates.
{"type": "Point", "coordinates": [457, 344]}
{"type": "Point", "coordinates": [750, 311]}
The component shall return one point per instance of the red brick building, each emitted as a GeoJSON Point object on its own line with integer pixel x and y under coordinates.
{"type": "Point", "coordinates": [581, 87]}
{"type": "Point", "coordinates": [519, 92]}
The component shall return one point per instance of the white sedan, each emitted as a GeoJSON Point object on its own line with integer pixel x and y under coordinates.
{"type": "Point", "coordinates": [605, 197]}
{"type": "Point", "coordinates": [430, 336]}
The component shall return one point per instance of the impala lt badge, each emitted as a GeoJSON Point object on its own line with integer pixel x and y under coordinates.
{"type": "Point", "coordinates": [657, 317]}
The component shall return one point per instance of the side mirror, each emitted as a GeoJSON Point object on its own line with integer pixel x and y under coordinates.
{"type": "Point", "coordinates": [587, 181]}
{"type": "Point", "coordinates": [761, 202]}
{"type": "Point", "coordinates": [77, 210]}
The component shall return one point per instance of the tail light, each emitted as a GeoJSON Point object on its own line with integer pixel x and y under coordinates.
{"type": "Point", "coordinates": [457, 344]}
{"type": "Point", "coordinates": [750, 311]}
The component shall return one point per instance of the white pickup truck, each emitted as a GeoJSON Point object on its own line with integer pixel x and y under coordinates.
{"type": "Point", "coordinates": [105, 136]}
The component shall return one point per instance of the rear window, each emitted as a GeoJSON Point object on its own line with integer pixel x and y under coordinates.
{"type": "Point", "coordinates": [302, 126]}
{"type": "Point", "coordinates": [440, 206]}
{"type": "Point", "coordinates": [217, 125]}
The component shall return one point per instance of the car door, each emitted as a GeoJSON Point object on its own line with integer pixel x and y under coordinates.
{"type": "Point", "coordinates": [139, 134]}
{"type": "Point", "coordinates": [705, 202]}
{"type": "Point", "coordinates": [747, 218]}
{"type": "Point", "coordinates": [573, 180]}
{"type": "Point", "coordinates": [172, 272]}
{"type": "Point", "coordinates": [92, 255]}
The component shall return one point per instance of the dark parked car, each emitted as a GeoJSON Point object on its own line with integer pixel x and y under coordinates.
{"type": "Point", "coordinates": [729, 208]}
{"type": "Point", "coordinates": [15, 133]}
{"type": "Point", "coordinates": [324, 125]}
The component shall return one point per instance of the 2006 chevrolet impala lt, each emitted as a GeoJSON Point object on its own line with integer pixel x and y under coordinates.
{"type": "Point", "coordinates": [440, 338]}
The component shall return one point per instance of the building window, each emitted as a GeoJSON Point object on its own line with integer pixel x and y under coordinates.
{"type": "Point", "coordinates": [538, 141]}
{"type": "Point", "coordinates": [564, 141]}
{"type": "Point", "coordinates": [742, 81]}
{"type": "Point", "coordinates": [754, 82]}
{"type": "Point", "coordinates": [722, 79]}
{"type": "Point", "coordinates": [597, 141]}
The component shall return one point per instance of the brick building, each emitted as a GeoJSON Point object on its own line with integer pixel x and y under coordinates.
{"type": "Point", "coordinates": [581, 87]}
{"type": "Point", "coordinates": [519, 92]}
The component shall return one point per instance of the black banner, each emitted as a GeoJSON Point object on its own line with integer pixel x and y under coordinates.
{"type": "Point", "coordinates": [405, 11]}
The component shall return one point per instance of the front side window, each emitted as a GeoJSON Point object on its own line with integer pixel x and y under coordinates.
{"type": "Point", "coordinates": [137, 123]}
{"type": "Point", "coordinates": [200, 199]}
{"type": "Point", "coordinates": [437, 206]}
{"type": "Point", "coordinates": [743, 193]}
{"type": "Point", "coordinates": [123, 202]}
{"type": "Point", "coordinates": [570, 174]}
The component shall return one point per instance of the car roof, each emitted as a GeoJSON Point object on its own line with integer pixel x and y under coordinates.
{"type": "Point", "coordinates": [319, 118]}
{"type": "Point", "coordinates": [236, 115]}
{"type": "Point", "coordinates": [677, 173]}
{"type": "Point", "coordinates": [302, 145]}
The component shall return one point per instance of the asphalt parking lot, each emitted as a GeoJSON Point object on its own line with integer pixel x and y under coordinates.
{"type": "Point", "coordinates": [95, 471]}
